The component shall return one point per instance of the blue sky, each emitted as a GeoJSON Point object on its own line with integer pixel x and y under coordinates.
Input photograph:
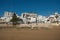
{"type": "Point", "coordinates": [41, 7]}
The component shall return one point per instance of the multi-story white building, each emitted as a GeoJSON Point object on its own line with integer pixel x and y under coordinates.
{"type": "Point", "coordinates": [8, 14]}
{"type": "Point", "coordinates": [29, 17]}
{"type": "Point", "coordinates": [53, 19]}
{"type": "Point", "coordinates": [6, 17]}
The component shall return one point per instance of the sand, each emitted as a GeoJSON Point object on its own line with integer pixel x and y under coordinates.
{"type": "Point", "coordinates": [27, 34]}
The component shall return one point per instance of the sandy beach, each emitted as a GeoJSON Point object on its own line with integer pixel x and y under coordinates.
{"type": "Point", "coordinates": [28, 34]}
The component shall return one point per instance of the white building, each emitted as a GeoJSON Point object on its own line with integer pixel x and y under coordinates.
{"type": "Point", "coordinates": [6, 17]}
{"type": "Point", "coordinates": [41, 19]}
{"type": "Point", "coordinates": [29, 17]}
{"type": "Point", "coordinates": [8, 14]}
{"type": "Point", "coordinates": [53, 19]}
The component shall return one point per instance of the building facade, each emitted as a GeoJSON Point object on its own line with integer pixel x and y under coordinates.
{"type": "Point", "coordinates": [29, 17]}
{"type": "Point", "coordinates": [32, 18]}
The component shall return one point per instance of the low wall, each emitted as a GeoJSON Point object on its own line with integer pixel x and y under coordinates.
{"type": "Point", "coordinates": [38, 25]}
{"type": "Point", "coordinates": [31, 25]}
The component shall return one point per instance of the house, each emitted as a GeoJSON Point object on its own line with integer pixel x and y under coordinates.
{"type": "Point", "coordinates": [54, 18]}
{"type": "Point", "coordinates": [41, 19]}
{"type": "Point", "coordinates": [29, 17]}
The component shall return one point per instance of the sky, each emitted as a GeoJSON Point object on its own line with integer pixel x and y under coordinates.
{"type": "Point", "coordinates": [41, 7]}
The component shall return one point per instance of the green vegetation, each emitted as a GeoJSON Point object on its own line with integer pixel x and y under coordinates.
{"type": "Point", "coordinates": [14, 19]}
